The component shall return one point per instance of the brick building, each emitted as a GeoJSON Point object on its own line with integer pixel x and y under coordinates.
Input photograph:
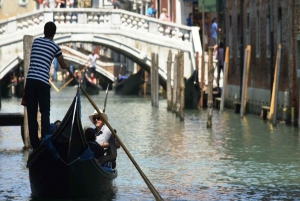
{"type": "Point", "coordinates": [264, 24]}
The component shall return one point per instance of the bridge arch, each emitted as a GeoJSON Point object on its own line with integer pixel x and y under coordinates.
{"type": "Point", "coordinates": [134, 54]}
{"type": "Point", "coordinates": [131, 34]}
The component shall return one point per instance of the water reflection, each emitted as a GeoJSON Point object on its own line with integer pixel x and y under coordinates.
{"type": "Point", "coordinates": [238, 159]}
{"type": "Point", "coordinates": [110, 195]}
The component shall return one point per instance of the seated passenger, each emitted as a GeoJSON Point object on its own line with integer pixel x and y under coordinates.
{"type": "Point", "coordinates": [102, 132]}
{"type": "Point", "coordinates": [92, 79]}
{"type": "Point", "coordinates": [90, 136]}
{"type": "Point", "coordinates": [54, 126]}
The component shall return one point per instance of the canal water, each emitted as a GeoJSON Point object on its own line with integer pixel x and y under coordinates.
{"type": "Point", "coordinates": [238, 159]}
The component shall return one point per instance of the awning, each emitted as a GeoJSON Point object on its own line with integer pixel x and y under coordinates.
{"type": "Point", "coordinates": [209, 5]}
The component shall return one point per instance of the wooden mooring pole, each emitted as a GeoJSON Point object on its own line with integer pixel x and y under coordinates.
{"type": "Point", "coordinates": [156, 82]}
{"type": "Point", "coordinates": [175, 81]}
{"type": "Point", "coordinates": [181, 86]}
{"type": "Point", "coordinates": [245, 84]}
{"type": "Point", "coordinates": [202, 84]}
{"type": "Point", "coordinates": [273, 107]}
{"type": "Point", "coordinates": [210, 76]}
{"type": "Point", "coordinates": [27, 43]}
{"type": "Point", "coordinates": [225, 79]}
{"type": "Point", "coordinates": [169, 85]}
{"type": "Point", "coordinates": [154, 79]}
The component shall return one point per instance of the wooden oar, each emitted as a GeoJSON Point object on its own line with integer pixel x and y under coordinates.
{"type": "Point", "coordinates": [70, 80]}
{"type": "Point", "coordinates": [147, 181]}
{"type": "Point", "coordinates": [53, 85]}
{"type": "Point", "coordinates": [105, 98]}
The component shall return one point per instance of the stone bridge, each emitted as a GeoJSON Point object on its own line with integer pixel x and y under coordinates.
{"type": "Point", "coordinates": [133, 35]}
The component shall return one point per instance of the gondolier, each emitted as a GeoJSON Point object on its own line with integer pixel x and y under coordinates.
{"type": "Point", "coordinates": [37, 89]}
{"type": "Point", "coordinates": [92, 62]}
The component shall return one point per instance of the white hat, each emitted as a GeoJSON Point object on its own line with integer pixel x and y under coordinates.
{"type": "Point", "coordinates": [96, 113]}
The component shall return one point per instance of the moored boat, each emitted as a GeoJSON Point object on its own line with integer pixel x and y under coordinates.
{"type": "Point", "coordinates": [192, 91]}
{"type": "Point", "coordinates": [131, 85]}
{"type": "Point", "coordinates": [64, 167]}
{"type": "Point", "coordinates": [90, 88]}
{"type": "Point", "coordinates": [19, 89]}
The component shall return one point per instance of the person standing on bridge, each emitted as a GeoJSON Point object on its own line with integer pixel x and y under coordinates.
{"type": "Point", "coordinates": [37, 89]}
{"type": "Point", "coordinates": [116, 4]}
{"type": "Point", "coordinates": [92, 62]}
{"type": "Point", "coordinates": [151, 12]}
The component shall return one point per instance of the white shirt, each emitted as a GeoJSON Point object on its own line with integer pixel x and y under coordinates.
{"type": "Point", "coordinates": [52, 3]}
{"type": "Point", "coordinates": [93, 60]}
{"type": "Point", "coordinates": [105, 136]}
{"type": "Point", "coordinates": [164, 17]}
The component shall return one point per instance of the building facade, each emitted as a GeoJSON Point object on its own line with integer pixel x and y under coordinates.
{"type": "Point", "coordinates": [11, 8]}
{"type": "Point", "coordinates": [264, 25]}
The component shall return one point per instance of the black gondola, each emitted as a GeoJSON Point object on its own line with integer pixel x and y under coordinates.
{"type": "Point", "coordinates": [90, 88]}
{"type": "Point", "coordinates": [64, 167]}
{"type": "Point", "coordinates": [131, 85]}
{"type": "Point", "coordinates": [192, 91]}
{"type": "Point", "coordinates": [19, 89]}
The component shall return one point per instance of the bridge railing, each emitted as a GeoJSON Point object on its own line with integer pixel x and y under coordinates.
{"type": "Point", "coordinates": [99, 17]}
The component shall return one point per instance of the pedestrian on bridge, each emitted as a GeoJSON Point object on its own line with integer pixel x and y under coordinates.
{"type": "Point", "coordinates": [151, 12]}
{"type": "Point", "coordinates": [37, 89]}
{"type": "Point", "coordinates": [116, 4]}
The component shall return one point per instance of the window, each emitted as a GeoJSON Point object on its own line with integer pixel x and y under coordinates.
{"type": "Point", "coordinates": [22, 2]}
{"type": "Point", "coordinates": [268, 46]}
{"type": "Point", "coordinates": [248, 29]}
{"type": "Point", "coordinates": [257, 34]}
{"type": "Point", "coordinates": [279, 27]}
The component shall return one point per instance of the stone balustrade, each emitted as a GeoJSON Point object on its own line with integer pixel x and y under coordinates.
{"type": "Point", "coordinates": [97, 17]}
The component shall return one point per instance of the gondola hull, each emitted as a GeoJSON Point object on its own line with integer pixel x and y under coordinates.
{"type": "Point", "coordinates": [90, 88]}
{"type": "Point", "coordinates": [19, 89]}
{"type": "Point", "coordinates": [130, 86]}
{"type": "Point", "coordinates": [51, 178]}
{"type": "Point", "coordinates": [64, 167]}
{"type": "Point", "coordinates": [192, 91]}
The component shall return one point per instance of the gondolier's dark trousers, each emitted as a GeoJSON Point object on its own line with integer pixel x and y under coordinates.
{"type": "Point", "coordinates": [91, 70]}
{"type": "Point", "coordinates": [37, 94]}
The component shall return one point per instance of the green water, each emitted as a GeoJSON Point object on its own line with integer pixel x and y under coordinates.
{"type": "Point", "coordinates": [238, 159]}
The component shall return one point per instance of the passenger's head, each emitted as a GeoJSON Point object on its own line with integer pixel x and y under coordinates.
{"type": "Point", "coordinates": [49, 29]}
{"type": "Point", "coordinates": [57, 123]}
{"type": "Point", "coordinates": [90, 134]}
{"type": "Point", "coordinates": [96, 119]}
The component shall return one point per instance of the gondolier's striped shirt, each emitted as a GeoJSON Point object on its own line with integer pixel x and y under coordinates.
{"type": "Point", "coordinates": [42, 54]}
